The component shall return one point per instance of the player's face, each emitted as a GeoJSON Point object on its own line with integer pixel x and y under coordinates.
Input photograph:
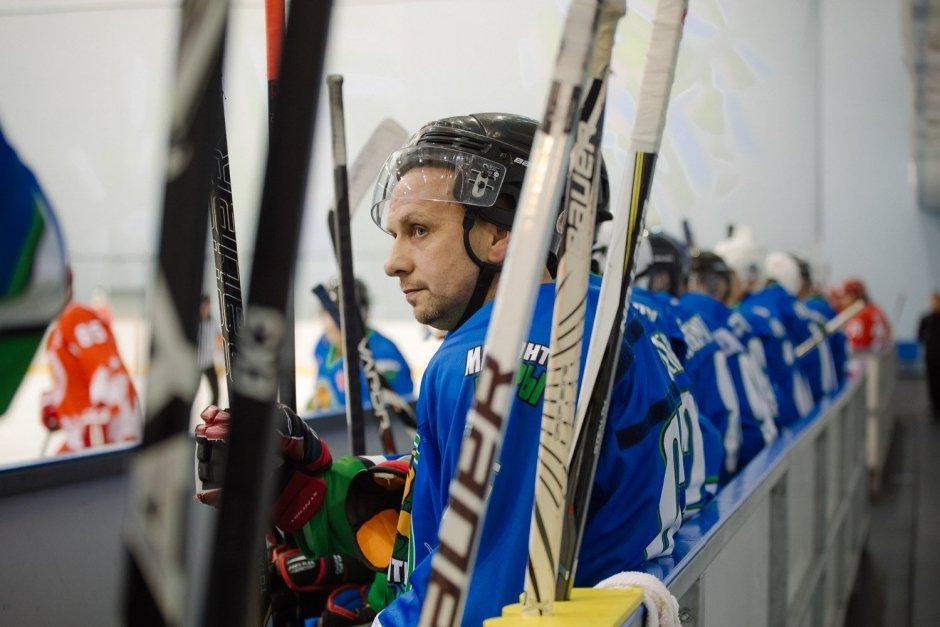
{"type": "Point", "coordinates": [434, 271]}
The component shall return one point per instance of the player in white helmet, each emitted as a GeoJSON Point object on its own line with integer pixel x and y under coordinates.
{"type": "Point", "coordinates": [772, 346]}
{"type": "Point", "coordinates": [783, 285]}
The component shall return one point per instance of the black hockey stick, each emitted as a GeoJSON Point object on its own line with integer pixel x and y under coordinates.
{"type": "Point", "coordinates": [224, 243]}
{"type": "Point", "coordinates": [350, 315]}
{"type": "Point", "coordinates": [687, 232]}
{"type": "Point", "coordinates": [274, 43]}
{"type": "Point", "coordinates": [387, 137]}
{"type": "Point", "coordinates": [350, 320]}
{"type": "Point", "coordinates": [158, 589]}
{"type": "Point", "coordinates": [462, 522]}
{"type": "Point", "coordinates": [600, 367]}
{"type": "Point", "coordinates": [567, 332]}
{"type": "Point", "coordinates": [247, 488]}
{"type": "Point", "coordinates": [389, 401]}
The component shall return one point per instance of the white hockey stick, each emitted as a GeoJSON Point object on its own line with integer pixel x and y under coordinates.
{"type": "Point", "coordinates": [463, 519]}
{"type": "Point", "coordinates": [567, 334]}
{"type": "Point", "coordinates": [606, 337]}
{"type": "Point", "coordinates": [831, 327]}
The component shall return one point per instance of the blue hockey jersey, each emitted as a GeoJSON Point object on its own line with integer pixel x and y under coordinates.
{"type": "Point", "coordinates": [773, 349]}
{"type": "Point", "coordinates": [329, 392]}
{"type": "Point", "coordinates": [838, 342]}
{"type": "Point", "coordinates": [756, 401]}
{"type": "Point", "coordinates": [635, 506]}
{"type": "Point", "coordinates": [816, 365]}
{"type": "Point", "coordinates": [702, 447]}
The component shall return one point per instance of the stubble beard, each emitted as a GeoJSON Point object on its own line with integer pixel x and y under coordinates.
{"type": "Point", "coordinates": [441, 316]}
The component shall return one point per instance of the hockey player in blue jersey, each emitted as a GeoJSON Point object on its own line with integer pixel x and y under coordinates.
{"type": "Point", "coordinates": [773, 348]}
{"type": "Point", "coordinates": [711, 430]}
{"type": "Point", "coordinates": [815, 302]}
{"type": "Point", "coordinates": [779, 295]}
{"type": "Point", "coordinates": [449, 245]}
{"type": "Point", "coordinates": [329, 393]}
{"type": "Point", "coordinates": [708, 285]}
{"type": "Point", "coordinates": [447, 251]}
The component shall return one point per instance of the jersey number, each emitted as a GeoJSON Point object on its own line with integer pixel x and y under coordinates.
{"type": "Point", "coordinates": [90, 333]}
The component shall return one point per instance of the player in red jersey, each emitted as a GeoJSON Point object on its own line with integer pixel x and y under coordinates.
{"type": "Point", "coordinates": [92, 399]}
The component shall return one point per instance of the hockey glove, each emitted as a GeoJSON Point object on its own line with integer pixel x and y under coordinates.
{"type": "Point", "coordinates": [347, 606]}
{"type": "Point", "coordinates": [305, 457]}
{"type": "Point", "coordinates": [50, 413]}
{"type": "Point", "coordinates": [50, 418]}
{"type": "Point", "coordinates": [360, 514]}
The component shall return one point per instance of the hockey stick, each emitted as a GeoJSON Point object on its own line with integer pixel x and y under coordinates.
{"type": "Point", "coordinates": [597, 382]}
{"type": "Point", "coordinates": [387, 400]}
{"type": "Point", "coordinates": [224, 243]}
{"type": "Point", "coordinates": [386, 138]}
{"type": "Point", "coordinates": [274, 43]}
{"type": "Point", "coordinates": [687, 232]}
{"type": "Point", "coordinates": [463, 519]}
{"type": "Point", "coordinates": [567, 332]}
{"type": "Point", "coordinates": [247, 487]}
{"type": "Point", "coordinates": [350, 320]}
{"type": "Point", "coordinates": [831, 327]}
{"type": "Point", "coordinates": [158, 590]}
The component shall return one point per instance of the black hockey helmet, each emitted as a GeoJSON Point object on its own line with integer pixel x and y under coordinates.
{"type": "Point", "coordinates": [486, 155]}
{"type": "Point", "coordinates": [662, 255]}
{"type": "Point", "coordinates": [333, 288]}
{"type": "Point", "coordinates": [806, 270]}
{"type": "Point", "coordinates": [709, 273]}
{"type": "Point", "coordinates": [482, 159]}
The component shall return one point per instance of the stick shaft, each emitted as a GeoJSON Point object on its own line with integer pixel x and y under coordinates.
{"type": "Point", "coordinates": [350, 319]}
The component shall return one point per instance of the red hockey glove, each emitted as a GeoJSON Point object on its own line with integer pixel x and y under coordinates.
{"type": "Point", "coordinates": [303, 574]}
{"type": "Point", "coordinates": [50, 418]}
{"type": "Point", "coordinates": [211, 438]}
{"type": "Point", "coordinates": [347, 606]}
{"type": "Point", "coordinates": [301, 489]}
{"type": "Point", "coordinates": [306, 458]}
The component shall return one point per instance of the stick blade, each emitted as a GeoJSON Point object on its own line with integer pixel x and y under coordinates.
{"type": "Point", "coordinates": [387, 137]}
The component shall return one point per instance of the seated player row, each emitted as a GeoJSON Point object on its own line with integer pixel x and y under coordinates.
{"type": "Point", "coordinates": [698, 390]}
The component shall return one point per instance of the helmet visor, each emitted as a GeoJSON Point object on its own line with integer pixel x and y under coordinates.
{"type": "Point", "coordinates": [437, 174]}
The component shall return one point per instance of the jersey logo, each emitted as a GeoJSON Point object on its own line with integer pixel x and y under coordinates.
{"type": "Point", "coordinates": [530, 377]}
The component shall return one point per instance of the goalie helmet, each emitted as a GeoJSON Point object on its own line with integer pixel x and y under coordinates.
{"type": "Point", "coordinates": [662, 262]}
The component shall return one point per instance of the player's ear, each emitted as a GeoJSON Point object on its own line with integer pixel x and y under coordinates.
{"type": "Point", "coordinates": [499, 245]}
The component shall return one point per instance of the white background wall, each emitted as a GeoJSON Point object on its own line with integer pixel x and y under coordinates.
{"type": "Point", "coordinates": [873, 227]}
{"type": "Point", "coordinates": [790, 117]}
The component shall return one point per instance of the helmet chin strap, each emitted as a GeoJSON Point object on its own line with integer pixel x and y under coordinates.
{"type": "Point", "coordinates": [487, 272]}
